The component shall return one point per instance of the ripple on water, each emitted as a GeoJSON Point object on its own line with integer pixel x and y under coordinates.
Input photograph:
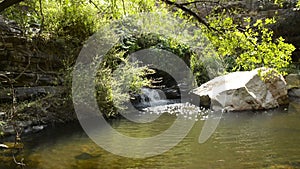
{"type": "Point", "coordinates": [242, 140]}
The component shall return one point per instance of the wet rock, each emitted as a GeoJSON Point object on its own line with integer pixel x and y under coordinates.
{"type": "Point", "coordinates": [294, 92]}
{"type": "Point", "coordinates": [86, 156]}
{"type": "Point", "coordinates": [2, 114]}
{"type": "Point", "coordinates": [12, 145]}
{"type": "Point", "coordinates": [29, 93]}
{"type": "Point", "coordinates": [171, 93]}
{"type": "Point", "coordinates": [8, 130]}
{"type": "Point", "coordinates": [24, 124]}
{"type": "Point", "coordinates": [34, 129]}
{"type": "Point", "coordinates": [244, 90]}
{"type": "Point", "coordinates": [200, 100]}
{"type": "Point", "coordinates": [3, 146]}
{"type": "Point", "coordinates": [293, 81]}
{"type": "Point", "coordinates": [38, 128]}
{"type": "Point", "coordinates": [293, 86]}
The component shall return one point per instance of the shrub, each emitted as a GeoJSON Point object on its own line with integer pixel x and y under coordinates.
{"type": "Point", "coordinates": [252, 47]}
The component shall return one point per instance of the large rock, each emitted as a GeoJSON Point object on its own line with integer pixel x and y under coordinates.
{"type": "Point", "coordinates": [294, 92]}
{"type": "Point", "coordinates": [293, 85]}
{"type": "Point", "coordinates": [293, 81]}
{"type": "Point", "coordinates": [242, 91]}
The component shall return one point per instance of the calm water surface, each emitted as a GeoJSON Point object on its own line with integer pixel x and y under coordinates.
{"type": "Point", "coordinates": [242, 140]}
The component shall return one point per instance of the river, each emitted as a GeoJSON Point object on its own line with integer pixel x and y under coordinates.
{"type": "Point", "coordinates": [265, 139]}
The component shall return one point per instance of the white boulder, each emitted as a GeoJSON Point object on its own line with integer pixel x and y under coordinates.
{"type": "Point", "coordinates": [244, 90]}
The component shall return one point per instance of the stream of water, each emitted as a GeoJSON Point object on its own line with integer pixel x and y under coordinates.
{"type": "Point", "coordinates": [265, 139]}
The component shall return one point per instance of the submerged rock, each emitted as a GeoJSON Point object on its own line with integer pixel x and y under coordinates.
{"type": "Point", "coordinates": [86, 156]}
{"type": "Point", "coordinates": [243, 90]}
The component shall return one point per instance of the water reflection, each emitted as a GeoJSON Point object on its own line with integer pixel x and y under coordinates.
{"type": "Point", "coordinates": [242, 140]}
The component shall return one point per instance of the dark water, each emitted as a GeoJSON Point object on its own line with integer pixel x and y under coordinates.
{"type": "Point", "coordinates": [242, 140]}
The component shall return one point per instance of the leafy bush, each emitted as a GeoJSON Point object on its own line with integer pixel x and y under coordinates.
{"type": "Point", "coordinates": [193, 60]}
{"type": "Point", "coordinates": [116, 79]}
{"type": "Point", "coordinates": [250, 48]}
{"type": "Point", "coordinates": [72, 19]}
{"type": "Point", "coordinates": [298, 4]}
{"type": "Point", "coordinates": [75, 19]}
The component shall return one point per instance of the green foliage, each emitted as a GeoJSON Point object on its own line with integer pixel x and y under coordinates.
{"type": "Point", "coordinates": [135, 43]}
{"type": "Point", "coordinates": [251, 48]}
{"type": "Point", "coordinates": [69, 23]}
{"type": "Point", "coordinates": [116, 78]}
{"type": "Point", "coordinates": [240, 45]}
{"type": "Point", "coordinates": [268, 75]}
{"type": "Point", "coordinates": [24, 14]}
{"type": "Point", "coordinates": [113, 87]}
{"type": "Point", "coordinates": [199, 70]}
{"type": "Point", "coordinates": [116, 74]}
{"type": "Point", "coordinates": [298, 4]}
{"type": "Point", "coordinates": [72, 19]}
{"type": "Point", "coordinates": [114, 81]}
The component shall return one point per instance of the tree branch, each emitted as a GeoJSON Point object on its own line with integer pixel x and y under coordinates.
{"type": "Point", "coordinates": [190, 12]}
{"type": "Point", "coordinates": [42, 16]}
{"type": "Point", "coordinates": [195, 2]}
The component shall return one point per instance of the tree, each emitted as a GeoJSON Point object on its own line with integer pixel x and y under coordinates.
{"type": "Point", "coordinates": [241, 42]}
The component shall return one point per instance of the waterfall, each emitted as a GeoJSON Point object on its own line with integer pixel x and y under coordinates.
{"type": "Point", "coordinates": [153, 97]}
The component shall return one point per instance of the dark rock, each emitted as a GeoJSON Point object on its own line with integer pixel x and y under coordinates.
{"type": "Point", "coordinates": [171, 93]}
{"type": "Point", "coordinates": [202, 100]}
{"type": "Point", "coordinates": [30, 93]}
{"type": "Point", "coordinates": [86, 156]}
{"type": "Point", "coordinates": [293, 81]}
{"type": "Point", "coordinates": [295, 92]}
{"type": "Point", "coordinates": [8, 130]}
{"type": "Point", "coordinates": [38, 128]}
{"type": "Point", "coordinates": [24, 124]}
{"type": "Point", "coordinates": [33, 79]}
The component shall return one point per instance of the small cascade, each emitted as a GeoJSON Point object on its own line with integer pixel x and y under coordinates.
{"type": "Point", "coordinates": [153, 97]}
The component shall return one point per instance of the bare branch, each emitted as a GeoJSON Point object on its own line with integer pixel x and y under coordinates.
{"type": "Point", "coordinates": [195, 2]}
{"type": "Point", "coordinates": [42, 15]}
{"type": "Point", "coordinates": [190, 12]}
{"type": "Point", "coordinates": [96, 6]}
{"type": "Point", "coordinates": [123, 3]}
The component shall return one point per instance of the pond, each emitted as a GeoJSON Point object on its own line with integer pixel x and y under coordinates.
{"type": "Point", "coordinates": [266, 139]}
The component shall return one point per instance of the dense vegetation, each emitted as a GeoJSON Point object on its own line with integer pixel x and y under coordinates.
{"type": "Point", "coordinates": [241, 41]}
